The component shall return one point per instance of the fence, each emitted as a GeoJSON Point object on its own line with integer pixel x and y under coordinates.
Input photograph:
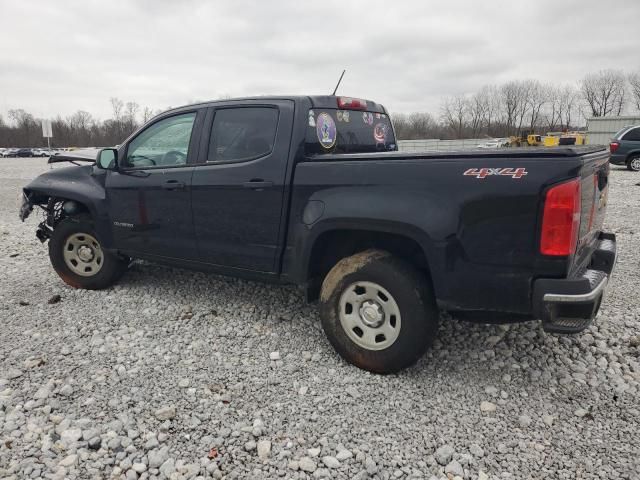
{"type": "Point", "coordinates": [435, 145]}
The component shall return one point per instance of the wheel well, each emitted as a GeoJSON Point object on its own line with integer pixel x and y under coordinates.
{"type": "Point", "coordinates": [55, 209]}
{"type": "Point", "coordinates": [332, 246]}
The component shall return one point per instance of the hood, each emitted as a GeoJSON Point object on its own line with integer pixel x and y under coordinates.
{"type": "Point", "coordinates": [74, 183]}
{"type": "Point", "coordinates": [84, 155]}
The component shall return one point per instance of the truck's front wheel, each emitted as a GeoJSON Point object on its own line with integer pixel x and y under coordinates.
{"type": "Point", "coordinates": [78, 258]}
{"type": "Point", "coordinates": [378, 311]}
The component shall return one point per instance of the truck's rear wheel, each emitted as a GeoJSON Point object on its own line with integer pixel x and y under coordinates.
{"type": "Point", "coordinates": [378, 311]}
{"type": "Point", "coordinates": [634, 163]}
{"type": "Point", "coordinates": [78, 257]}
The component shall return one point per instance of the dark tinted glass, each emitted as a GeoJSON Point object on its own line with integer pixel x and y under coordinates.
{"type": "Point", "coordinates": [348, 131]}
{"type": "Point", "coordinates": [242, 133]}
{"type": "Point", "coordinates": [632, 135]}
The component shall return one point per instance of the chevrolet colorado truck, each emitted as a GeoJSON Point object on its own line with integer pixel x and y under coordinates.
{"type": "Point", "coordinates": [312, 190]}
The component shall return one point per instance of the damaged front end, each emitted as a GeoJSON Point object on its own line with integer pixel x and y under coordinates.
{"type": "Point", "coordinates": [53, 211]}
{"type": "Point", "coordinates": [60, 192]}
{"type": "Point", "coordinates": [26, 207]}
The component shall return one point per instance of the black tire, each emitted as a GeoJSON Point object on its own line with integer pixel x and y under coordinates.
{"type": "Point", "coordinates": [410, 290]}
{"type": "Point", "coordinates": [633, 163]}
{"type": "Point", "coordinates": [112, 266]}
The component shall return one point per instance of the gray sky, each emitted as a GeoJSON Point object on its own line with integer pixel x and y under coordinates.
{"type": "Point", "coordinates": [62, 56]}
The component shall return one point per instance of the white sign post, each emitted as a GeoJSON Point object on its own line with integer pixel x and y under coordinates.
{"type": "Point", "coordinates": [47, 132]}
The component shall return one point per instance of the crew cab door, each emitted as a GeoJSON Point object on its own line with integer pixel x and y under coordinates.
{"type": "Point", "coordinates": [238, 186]}
{"type": "Point", "coordinates": [149, 196]}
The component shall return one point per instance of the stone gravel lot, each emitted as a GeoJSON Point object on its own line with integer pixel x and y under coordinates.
{"type": "Point", "coordinates": [175, 374]}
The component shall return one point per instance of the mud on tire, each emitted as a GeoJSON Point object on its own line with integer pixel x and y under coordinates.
{"type": "Point", "coordinates": [389, 298]}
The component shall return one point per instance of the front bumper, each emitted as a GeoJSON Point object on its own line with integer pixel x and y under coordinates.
{"type": "Point", "coordinates": [569, 305]}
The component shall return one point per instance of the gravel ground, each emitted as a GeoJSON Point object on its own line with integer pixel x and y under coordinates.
{"type": "Point", "coordinates": [175, 374]}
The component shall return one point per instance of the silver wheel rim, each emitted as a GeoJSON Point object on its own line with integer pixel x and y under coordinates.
{"type": "Point", "coordinates": [369, 315]}
{"type": "Point", "coordinates": [83, 255]}
{"type": "Point", "coordinates": [635, 164]}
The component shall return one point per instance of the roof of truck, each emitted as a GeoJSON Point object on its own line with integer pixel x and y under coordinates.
{"type": "Point", "coordinates": [316, 101]}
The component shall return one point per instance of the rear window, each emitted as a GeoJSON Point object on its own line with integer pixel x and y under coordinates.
{"type": "Point", "coordinates": [619, 133]}
{"type": "Point", "coordinates": [632, 135]}
{"type": "Point", "coordinates": [348, 131]}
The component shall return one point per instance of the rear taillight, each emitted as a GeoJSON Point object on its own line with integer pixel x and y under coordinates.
{"type": "Point", "coordinates": [613, 146]}
{"type": "Point", "coordinates": [561, 219]}
{"type": "Point", "coordinates": [348, 103]}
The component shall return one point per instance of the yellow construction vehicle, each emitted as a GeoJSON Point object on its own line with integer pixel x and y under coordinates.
{"type": "Point", "coordinates": [534, 140]}
{"type": "Point", "coordinates": [554, 139]}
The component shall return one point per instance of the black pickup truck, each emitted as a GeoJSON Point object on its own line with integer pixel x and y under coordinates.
{"type": "Point", "coordinates": [312, 191]}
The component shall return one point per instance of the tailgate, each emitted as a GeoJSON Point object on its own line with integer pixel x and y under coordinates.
{"type": "Point", "coordinates": [594, 192]}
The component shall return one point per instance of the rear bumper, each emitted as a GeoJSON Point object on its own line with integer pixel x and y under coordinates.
{"type": "Point", "coordinates": [569, 305]}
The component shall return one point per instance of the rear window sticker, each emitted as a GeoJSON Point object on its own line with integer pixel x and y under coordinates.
{"type": "Point", "coordinates": [326, 130]}
{"type": "Point", "coordinates": [380, 132]}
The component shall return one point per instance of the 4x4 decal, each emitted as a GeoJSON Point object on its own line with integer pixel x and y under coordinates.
{"type": "Point", "coordinates": [485, 172]}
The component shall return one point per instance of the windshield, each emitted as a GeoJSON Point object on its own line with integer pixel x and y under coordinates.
{"type": "Point", "coordinates": [348, 131]}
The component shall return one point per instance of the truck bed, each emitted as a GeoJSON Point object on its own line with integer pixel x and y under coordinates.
{"type": "Point", "coordinates": [508, 153]}
{"type": "Point", "coordinates": [480, 233]}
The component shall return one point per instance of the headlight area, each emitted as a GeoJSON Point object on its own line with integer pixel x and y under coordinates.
{"type": "Point", "coordinates": [26, 207]}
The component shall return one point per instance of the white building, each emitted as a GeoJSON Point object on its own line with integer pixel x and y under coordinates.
{"type": "Point", "coordinates": [601, 129]}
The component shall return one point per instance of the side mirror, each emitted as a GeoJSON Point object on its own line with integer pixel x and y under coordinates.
{"type": "Point", "coordinates": [107, 159]}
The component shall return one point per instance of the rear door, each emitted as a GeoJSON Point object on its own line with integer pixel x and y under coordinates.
{"type": "Point", "coordinates": [149, 197]}
{"type": "Point", "coordinates": [239, 183]}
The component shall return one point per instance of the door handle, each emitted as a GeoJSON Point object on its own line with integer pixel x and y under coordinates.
{"type": "Point", "coordinates": [257, 184]}
{"type": "Point", "coordinates": [173, 185]}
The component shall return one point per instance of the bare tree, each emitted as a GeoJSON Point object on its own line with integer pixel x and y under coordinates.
{"type": "Point", "coordinates": [477, 107]}
{"type": "Point", "coordinates": [414, 126]}
{"type": "Point", "coordinates": [553, 110]}
{"type": "Point", "coordinates": [604, 92]}
{"type": "Point", "coordinates": [132, 109]}
{"type": "Point", "coordinates": [515, 104]}
{"type": "Point", "coordinates": [454, 114]}
{"type": "Point", "coordinates": [491, 99]}
{"type": "Point", "coordinates": [147, 114]}
{"type": "Point", "coordinates": [537, 97]}
{"type": "Point", "coordinates": [116, 105]}
{"type": "Point", "coordinates": [569, 96]}
{"type": "Point", "coordinates": [634, 83]}
{"type": "Point", "coordinates": [80, 120]}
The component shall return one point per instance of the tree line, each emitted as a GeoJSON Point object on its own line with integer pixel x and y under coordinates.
{"type": "Point", "coordinates": [78, 130]}
{"type": "Point", "coordinates": [520, 107]}
{"type": "Point", "coordinates": [516, 108]}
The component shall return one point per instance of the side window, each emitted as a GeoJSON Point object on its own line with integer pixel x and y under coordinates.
{"type": "Point", "coordinates": [163, 144]}
{"type": "Point", "coordinates": [242, 133]}
{"type": "Point", "coordinates": [632, 135]}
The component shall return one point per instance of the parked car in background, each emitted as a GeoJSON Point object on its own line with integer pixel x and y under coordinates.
{"type": "Point", "coordinates": [495, 143]}
{"type": "Point", "coordinates": [24, 152]}
{"type": "Point", "coordinates": [42, 152]}
{"type": "Point", "coordinates": [9, 152]}
{"type": "Point", "coordinates": [625, 148]}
